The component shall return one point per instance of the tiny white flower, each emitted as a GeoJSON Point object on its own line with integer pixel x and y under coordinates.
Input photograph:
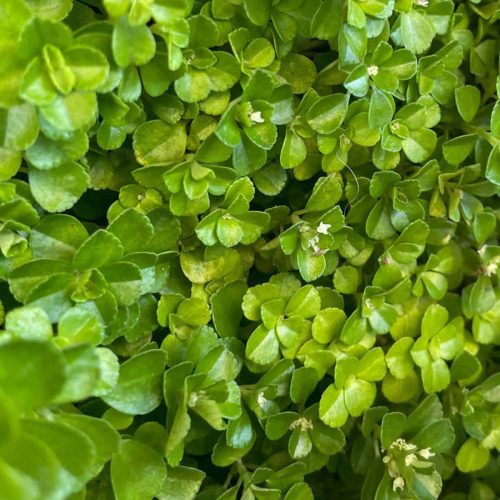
{"type": "Point", "coordinates": [301, 423]}
{"type": "Point", "coordinates": [256, 117]}
{"type": "Point", "coordinates": [313, 243]}
{"type": "Point", "coordinates": [323, 228]}
{"type": "Point", "coordinates": [314, 240]}
{"type": "Point", "coordinates": [410, 459]}
{"type": "Point", "coordinates": [373, 70]}
{"type": "Point", "coordinates": [261, 399]}
{"type": "Point", "coordinates": [193, 399]}
{"type": "Point", "coordinates": [401, 444]}
{"type": "Point", "coordinates": [426, 453]}
{"type": "Point", "coordinates": [398, 483]}
{"type": "Point", "coordinates": [491, 269]}
{"type": "Point", "coordinates": [386, 459]}
{"type": "Point", "coordinates": [421, 3]}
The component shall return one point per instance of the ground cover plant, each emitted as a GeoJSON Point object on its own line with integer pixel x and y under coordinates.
{"type": "Point", "coordinates": [249, 249]}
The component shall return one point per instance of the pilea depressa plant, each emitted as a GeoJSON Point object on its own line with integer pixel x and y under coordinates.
{"type": "Point", "coordinates": [249, 249]}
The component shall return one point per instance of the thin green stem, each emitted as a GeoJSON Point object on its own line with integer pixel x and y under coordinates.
{"type": "Point", "coordinates": [481, 132]}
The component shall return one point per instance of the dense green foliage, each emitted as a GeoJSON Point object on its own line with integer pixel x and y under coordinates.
{"type": "Point", "coordinates": [249, 249]}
